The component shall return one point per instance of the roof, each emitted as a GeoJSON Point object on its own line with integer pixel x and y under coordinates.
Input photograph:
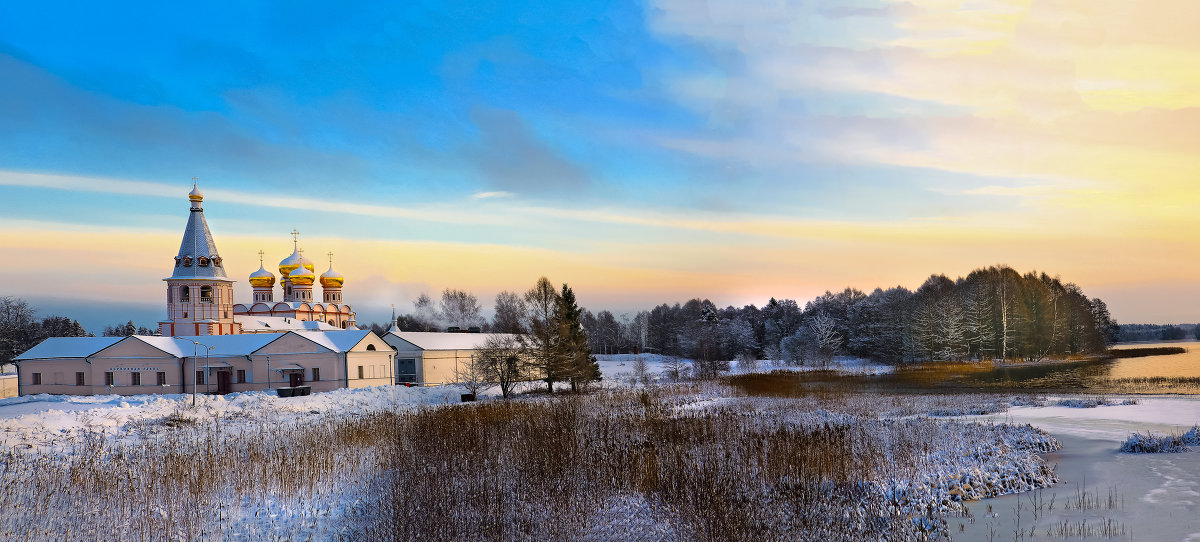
{"type": "Point", "coordinates": [223, 345]}
{"type": "Point", "coordinates": [338, 341]}
{"type": "Point", "coordinates": [68, 347]}
{"type": "Point", "coordinates": [280, 323]}
{"type": "Point", "coordinates": [198, 242]}
{"type": "Point", "coordinates": [433, 340]}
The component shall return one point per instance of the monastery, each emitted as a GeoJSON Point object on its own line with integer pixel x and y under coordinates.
{"type": "Point", "coordinates": [209, 344]}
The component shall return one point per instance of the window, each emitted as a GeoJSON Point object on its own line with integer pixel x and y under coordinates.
{"type": "Point", "coordinates": [370, 347]}
{"type": "Point", "coordinates": [187, 261]}
{"type": "Point", "coordinates": [199, 377]}
{"type": "Point", "coordinates": [241, 376]}
{"type": "Point", "coordinates": [202, 261]}
{"type": "Point", "coordinates": [37, 379]}
{"type": "Point", "coordinates": [162, 378]}
{"type": "Point", "coordinates": [177, 261]}
{"type": "Point", "coordinates": [135, 379]}
{"type": "Point", "coordinates": [217, 261]}
{"type": "Point", "coordinates": [360, 372]}
{"type": "Point", "coordinates": [79, 379]}
{"type": "Point", "coordinates": [108, 378]}
{"type": "Point", "coordinates": [185, 295]}
{"type": "Point", "coordinates": [206, 294]}
{"type": "Point", "coordinates": [316, 374]}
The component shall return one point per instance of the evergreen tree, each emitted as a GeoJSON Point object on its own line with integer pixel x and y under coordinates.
{"type": "Point", "coordinates": [572, 344]}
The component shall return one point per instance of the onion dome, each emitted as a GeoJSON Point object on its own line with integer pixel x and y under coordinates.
{"type": "Point", "coordinates": [332, 279]}
{"type": "Point", "coordinates": [262, 278]}
{"type": "Point", "coordinates": [195, 194]}
{"type": "Point", "coordinates": [290, 263]}
{"type": "Point", "coordinates": [301, 276]}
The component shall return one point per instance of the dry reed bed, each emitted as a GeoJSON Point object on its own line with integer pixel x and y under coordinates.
{"type": "Point", "coordinates": [195, 482]}
{"type": "Point", "coordinates": [684, 462]}
{"type": "Point", "coordinates": [732, 469]}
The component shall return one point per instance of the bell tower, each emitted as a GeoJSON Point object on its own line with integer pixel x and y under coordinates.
{"type": "Point", "coordinates": [199, 294]}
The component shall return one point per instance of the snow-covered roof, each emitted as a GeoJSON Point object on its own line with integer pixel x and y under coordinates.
{"type": "Point", "coordinates": [68, 347]}
{"type": "Point", "coordinates": [280, 323]}
{"type": "Point", "coordinates": [222, 345]}
{"type": "Point", "coordinates": [338, 341]}
{"type": "Point", "coordinates": [432, 340]}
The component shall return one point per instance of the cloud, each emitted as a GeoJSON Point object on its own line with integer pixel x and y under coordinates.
{"type": "Point", "coordinates": [514, 159]}
{"type": "Point", "coordinates": [492, 195]}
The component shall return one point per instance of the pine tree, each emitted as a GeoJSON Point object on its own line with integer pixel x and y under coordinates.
{"type": "Point", "coordinates": [572, 345]}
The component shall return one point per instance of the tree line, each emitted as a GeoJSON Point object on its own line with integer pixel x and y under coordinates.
{"type": "Point", "coordinates": [992, 313]}
{"type": "Point", "coordinates": [20, 329]}
{"type": "Point", "coordinates": [539, 336]}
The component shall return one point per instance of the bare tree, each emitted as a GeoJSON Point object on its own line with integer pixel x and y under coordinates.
{"type": "Point", "coordinates": [675, 368]}
{"type": "Point", "coordinates": [472, 375]}
{"type": "Point", "coordinates": [828, 340]}
{"type": "Point", "coordinates": [641, 373]}
{"type": "Point", "coordinates": [505, 361]}
{"type": "Point", "coordinates": [460, 308]}
{"type": "Point", "coordinates": [542, 302]}
{"type": "Point", "coordinates": [425, 312]}
{"type": "Point", "coordinates": [510, 312]}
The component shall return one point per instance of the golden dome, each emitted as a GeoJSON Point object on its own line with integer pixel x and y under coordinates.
{"type": "Point", "coordinates": [195, 194]}
{"type": "Point", "coordinates": [262, 278]}
{"type": "Point", "coordinates": [332, 279]}
{"type": "Point", "coordinates": [302, 276]}
{"type": "Point", "coordinates": [290, 263]}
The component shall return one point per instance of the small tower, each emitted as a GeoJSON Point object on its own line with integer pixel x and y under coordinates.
{"type": "Point", "coordinates": [331, 284]}
{"type": "Point", "coordinates": [263, 282]}
{"type": "Point", "coordinates": [290, 264]}
{"type": "Point", "coordinates": [199, 294]}
{"type": "Point", "coordinates": [301, 279]}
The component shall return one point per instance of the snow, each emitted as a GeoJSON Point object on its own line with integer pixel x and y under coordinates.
{"type": "Point", "coordinates": [1159, 414]}
{"type": "Point", "coordinates": [57, 422]}
{"type": "Point", "coordinates": [68, 347]}
{"type": "Point", "coordinates": [430, 340]}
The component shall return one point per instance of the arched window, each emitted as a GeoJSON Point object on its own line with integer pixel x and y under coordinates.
{"type": "Point", "coordinates": [185, 294]}
{"type": "Point", "coordinates": [206, 294]}
{"type": "Point", "coordinates": [370, 347]}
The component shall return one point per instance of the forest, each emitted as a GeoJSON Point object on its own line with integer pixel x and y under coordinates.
{"type": "Point", "coordinates": [992, 313]}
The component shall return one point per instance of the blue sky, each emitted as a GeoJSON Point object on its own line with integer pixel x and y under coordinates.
{"type": "Point", "coordinates": [644, 152]}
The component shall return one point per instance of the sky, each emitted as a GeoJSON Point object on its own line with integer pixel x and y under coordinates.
{"type": "Point", "coordinates": [640, 152]}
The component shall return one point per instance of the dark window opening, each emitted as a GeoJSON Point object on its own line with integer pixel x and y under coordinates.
{"type": "Point", "coordinates": [241, 376]}
{"type": "Point", "coordinates": [135, 379]}
{"type": "Point", "coordinates": [360, 372]}
{"type": "Point", "coordinates": [199, 377]}
{"type": "Point", "coordinates": [370, 347]}
{"type": "Point", "coordinates": [206, 294]}
{"type": "Point", "coordinates": [162, 378]}
{"type": "Point", "coordinates": [316, 374]}
{"type": "Point", "coordinates": [185, 295]}
{"type": "Point", "coordinates": [79, 379]}
{"type": "Point", "coordinates": [37, 379]}
{"type": "Point", "coordinates": [202, 261]}
{"type": "Point", "coordinates": [187, 261]}
{"type": "Point", "coordinates": [108, 378]}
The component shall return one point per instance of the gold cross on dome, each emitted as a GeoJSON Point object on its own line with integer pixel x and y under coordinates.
{"type": "Point", "coordinates": [260, 258]}
{"type": "Point", "coordinates": [330, 254]}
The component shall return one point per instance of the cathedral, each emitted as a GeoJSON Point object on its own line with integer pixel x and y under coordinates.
{"type": "Point", "coordinates": [200, 294]}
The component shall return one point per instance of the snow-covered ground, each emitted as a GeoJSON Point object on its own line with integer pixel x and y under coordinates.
{"type": "Point", "coordinates": [55, 425]}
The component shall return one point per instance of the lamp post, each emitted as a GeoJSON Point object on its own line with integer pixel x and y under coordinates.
{"type": "Point", "coordinates": [195, 356]}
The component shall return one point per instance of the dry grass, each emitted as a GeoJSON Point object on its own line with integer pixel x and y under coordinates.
{"type": "Point", "coordinates": [737, 470]}
{"type": "Point", "coordinates": [686, 462]}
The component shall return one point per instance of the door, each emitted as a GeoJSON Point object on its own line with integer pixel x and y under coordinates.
{"type": "Point", "coordinates": [224, 382]}
{"type": "Point", "coordinates": [295, 379]}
